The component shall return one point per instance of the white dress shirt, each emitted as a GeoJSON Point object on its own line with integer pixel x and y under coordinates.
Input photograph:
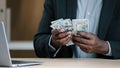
{"type": "Point", "coordinates": [87, 9]}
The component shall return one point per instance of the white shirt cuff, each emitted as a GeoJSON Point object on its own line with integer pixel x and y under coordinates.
{"type": "Point", "coordinates": [51, 45]}
{"type": "Point", "coordinates": [53, 48]}
{"type": "Point", "coordinates": [109, 52]}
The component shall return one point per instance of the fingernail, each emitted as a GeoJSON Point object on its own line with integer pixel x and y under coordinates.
{"type": "Point", "coordinates": [62, 30]}
{"type": "Point", "coordinates": [69, 33]}
{"type": "Point", "coordinates": [69, 36]}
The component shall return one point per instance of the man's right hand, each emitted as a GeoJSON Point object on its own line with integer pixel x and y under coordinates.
{"type": "Point", "coordinates": [60, 38]}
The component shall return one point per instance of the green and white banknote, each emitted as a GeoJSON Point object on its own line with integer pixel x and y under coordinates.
{"type": "Point", "coordinates": [71, 26]}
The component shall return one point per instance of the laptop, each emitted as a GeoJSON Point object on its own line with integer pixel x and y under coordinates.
{"type": "Point", "coordinates": [5, 58]}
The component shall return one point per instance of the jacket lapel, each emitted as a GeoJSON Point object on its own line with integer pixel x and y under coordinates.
{"type": "Point", "coordinates": [105, 18]}
{"type": "Point", "coordinates": [71, 8]}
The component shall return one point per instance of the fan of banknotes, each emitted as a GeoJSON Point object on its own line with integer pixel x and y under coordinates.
{"type": "Point", "coordinates": [71, 26]}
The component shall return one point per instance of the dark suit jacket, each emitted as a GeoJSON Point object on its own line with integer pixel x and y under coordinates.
{"type": "Point", "coordinates": [109, 26]}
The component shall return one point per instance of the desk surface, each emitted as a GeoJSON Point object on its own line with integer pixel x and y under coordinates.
{"type": "Point", "coordinates": [72, 63]}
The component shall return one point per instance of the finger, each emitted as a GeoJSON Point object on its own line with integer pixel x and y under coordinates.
{"type": "Point", "coordinates": [62, 30]}
{"type": "Point", "coordinates": [86, 49]}
{"type": "Point", "coordinates": [62, 35]}
{"type": "Point", "coordinates": [75, 38]}
{"type": "Point", "coordinates": [82, 45]}
{"type": "Point", "coordinates": [81, 40]}
{"type": "Point", "coordinates": [55, 32]}
{"type": "Point", "coordinates": [83, 48]}
{"type": "Point", "coordinates": [85, 34]}
{"type": "Point", "coordinates": [65, 40]}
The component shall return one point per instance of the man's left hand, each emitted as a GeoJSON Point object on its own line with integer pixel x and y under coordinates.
{"type": "Point", "coordinates": [90, 43]}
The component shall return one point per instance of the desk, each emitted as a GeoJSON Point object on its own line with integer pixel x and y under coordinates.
{"type": "Point", "coordinates": [73, 63]}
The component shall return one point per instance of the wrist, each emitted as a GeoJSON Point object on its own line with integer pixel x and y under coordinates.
{"type": "Point", "coordinates": [55, 45]}
{"type": "Point", "coordinates": [104, 47]}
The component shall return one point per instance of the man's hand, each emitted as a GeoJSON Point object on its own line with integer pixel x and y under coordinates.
{"type": "Point", "coordinates": [60, 38]}
{"type": "Point", "coordinates": [90, 43]}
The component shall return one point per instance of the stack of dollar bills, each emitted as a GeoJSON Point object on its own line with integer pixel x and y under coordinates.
{"type": "Point", "coordinates": [72, 26]}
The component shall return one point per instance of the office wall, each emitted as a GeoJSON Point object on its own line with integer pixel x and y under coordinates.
{"type": "Point", "coordinates": [2, 10]}
{"type": "Point", "coordinates": [25, 17]}
{"type": "Point", "coordinates": [22, 54]}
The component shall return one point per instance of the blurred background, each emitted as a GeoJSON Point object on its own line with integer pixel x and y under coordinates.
{"type": "Point", "coordinates": [21, 18]}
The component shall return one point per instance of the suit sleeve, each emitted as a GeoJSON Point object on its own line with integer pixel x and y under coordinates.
{"type": "Point", "coordinates": [115, 46]}
{"type": "Point", "coordinates": [115, 42]}
{"type": "Point", "coordinates": [41, 39]}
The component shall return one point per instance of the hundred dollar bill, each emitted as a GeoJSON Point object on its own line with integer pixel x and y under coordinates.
{"type": "Point", "coordinates": [71, 26]}
{"type": "Point", "coordinates": [57, 21]}
{"type": "Point", "coordinates": [68, 27]}
{"type": "Point", "coordinates": [56, 24]}
{"type": "Point", "coordinates": [65, 24]}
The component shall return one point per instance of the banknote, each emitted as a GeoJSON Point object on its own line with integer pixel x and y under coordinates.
{"type": "Point", "coordinates": [65, 24]}
{"type": "Point", "coordinates": [71, 26]}
{"type": "Point", "coordinates": [56, 24]}
{"type": "Point", "coordinates": [80, 25]}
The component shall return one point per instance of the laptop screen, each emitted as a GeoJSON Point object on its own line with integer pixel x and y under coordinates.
{"type": "Point", "coordinates": [5, 59]}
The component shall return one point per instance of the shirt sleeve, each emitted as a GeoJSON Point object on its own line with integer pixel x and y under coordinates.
{"type": "Point", "coordinates": [109, 52]}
